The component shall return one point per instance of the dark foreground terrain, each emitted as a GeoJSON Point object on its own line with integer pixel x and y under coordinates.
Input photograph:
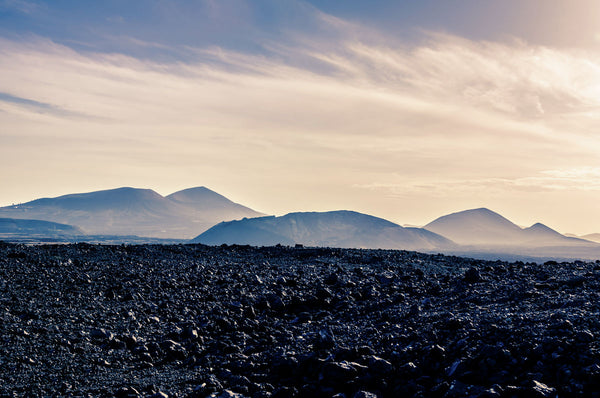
{"type": "Point", "coordinates": [197, 321]}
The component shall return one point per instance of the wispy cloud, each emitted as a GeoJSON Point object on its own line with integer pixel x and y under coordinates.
{"type": "Point", "coordinates": [23, 6]}
{"type": "Point", "coordinates": [26, 105]}
{"type": "Point", "coordinates": [445, 115]}
{"type": "Point", "coordinates": [584, 179]}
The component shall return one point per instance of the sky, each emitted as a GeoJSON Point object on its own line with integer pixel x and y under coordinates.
{"type": "Point", "coordinates": [406, 110]}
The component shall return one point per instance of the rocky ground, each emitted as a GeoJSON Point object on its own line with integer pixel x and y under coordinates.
{"type": "Point", "coordinates": [197, 321]}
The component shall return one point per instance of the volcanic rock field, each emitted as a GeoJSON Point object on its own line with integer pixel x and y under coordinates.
{"type": "Point", "coordinates": [238, 321]}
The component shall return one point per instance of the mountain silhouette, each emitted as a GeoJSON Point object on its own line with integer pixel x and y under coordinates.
{"type": "Point", "coordinates": [592, 237]}
{"type": "Point", "coordinates": [11, 226]}
{"type": "Point", "coordinates": [483, 227]}
{"type": "Point", "coordinates": [332, 229]}
{"type": "Point", "coordinates": [133, 211]}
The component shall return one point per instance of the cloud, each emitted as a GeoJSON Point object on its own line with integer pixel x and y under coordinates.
{"type": "Point", "coordinates": [447, 115]}
{"type": "Point", "coordinates": [22, 6]}
{"type": "Point", "coordinates": [116, 19]}
{"type": "Point", "coordinates": [448, 88]}
{"type": "Point", "coordinates": [586, 179]}
{"type": "Point", "coordinates": [27, 105]}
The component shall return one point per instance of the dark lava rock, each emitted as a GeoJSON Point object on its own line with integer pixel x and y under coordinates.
{"type": "Point", "coordinates": [237, 321]}
{"type": "Point", "coordinates": [364, 394]}
{"type": "Point", "coordinates": [472, 275]}
{"type": "Point", "coordinates": [541, 390]}
{"type": "Point", "coordinates": [379, 365]}
{"type": "Point", "coordinates": [337, 372]}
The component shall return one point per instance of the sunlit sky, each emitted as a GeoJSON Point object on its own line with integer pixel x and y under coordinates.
{"type": "Point", "coordinates": [406, 110]}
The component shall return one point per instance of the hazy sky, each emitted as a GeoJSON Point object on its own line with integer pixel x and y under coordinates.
{"type": "Point", "coordinates": [405, 110]}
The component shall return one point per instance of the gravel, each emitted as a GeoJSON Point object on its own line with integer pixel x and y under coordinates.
{"type": "Point", "coordinates": [237, 321]}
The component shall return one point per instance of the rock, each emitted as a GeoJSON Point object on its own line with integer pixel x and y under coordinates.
{"type": "Point", "coordinates": [189, 334]}
{"type": "Point", "coordinates": [331, 279]}
{"type": "Point", "coordinates": [379, 365]}
{"type": "Point", "coordinates": [127, 392]}
{"type": "Point", "coordinates": [584, 336]}
{"type": "Point", "coordinates": [325, 339]}
{"type": "Point", "coordinates": [337, 372]}
{"type": "Point", "coordinates": [228, 394]}
{"type": "Point", "coordinates": [284, 392]}
{"type": "Point", "coordinates": [275, 302]}
{"type": "Point", "coordinates": [541, 390]}
{"type": "Point", "coordinates": [364, 394]}
{"type": "Point", "coordinates": [101, 334]}
{"type": "Point", "coordinates": [210, 385]}
{"type": "Point", "coordinates": [199, 323]}
{"type": "Point", "coordinates": [472, 275]}
{"type": "Point", "coordinates": [159, 394]}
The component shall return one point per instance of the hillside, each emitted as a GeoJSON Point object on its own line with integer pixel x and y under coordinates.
{"type": "Point", "coordinates": [483, 227]}
{"type": "Point", "coordinates": [11, 228]}
{"type": "Point", "coordinates": [332, 229]}
{"type": "Point", "coordinates": [132, 211]}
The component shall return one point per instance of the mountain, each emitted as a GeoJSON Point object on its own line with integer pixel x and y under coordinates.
{"type": "Point", "coordinates": [540, 234]}
{"type": "Point", "coordinates": [203, 201]}
{"type": "Point", "coordinates": [592, 237]}
{"type": "Point", "coordinates": [18, 230]}
{"type": "Point", "coordinates": [475, 227]}
{"type": "Point", "coordinates": [20, 226]}
{"type": "Point", "coordinates": [133, 211]}
{"type": "Point", "coordinates": [332, 229]}
{"type": "Point", "coordinates": [483, 227]}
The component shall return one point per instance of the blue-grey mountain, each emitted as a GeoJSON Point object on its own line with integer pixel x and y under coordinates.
{"type": "Point", "coordinates": [485, 227]}
{"type": "Point", "coordinates": [11, 228]}
{"type": "Point", "coordinates": [485, 234]}
{"type": "Point", "coordinates": [332, 229]}
{"type": "Point", "coordinates": [593, 237]}
{"type": "Point", "coordinates": [132, 211]}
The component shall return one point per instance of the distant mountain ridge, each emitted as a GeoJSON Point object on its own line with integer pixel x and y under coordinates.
{"type": "Point", "coordinates": [592, 237]}
{"type": "Point", "coordinates": [340, 228]}
{"type": "Point", "coordinates": [134, 211]}
{"type": "Point", "coordinates": [16, 227]}
{"type": "Point", "coordinates": [485, 227]}
{"type": "Point", "coordinates": [142, 215]}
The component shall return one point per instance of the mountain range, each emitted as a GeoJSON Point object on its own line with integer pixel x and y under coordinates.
{"type": "Point", "coordinates": [132, 211]}
{"type": "Point", "coordinates": [590, 237]}
{"type": "Point", "coordinates": [479, 233]}
{"type": "Point", "coordinates": [483, 227]}
{"type": "Point", "coordinates": [204, 216]}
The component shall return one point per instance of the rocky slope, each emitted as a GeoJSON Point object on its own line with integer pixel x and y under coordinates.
{"type": "Point", "coordinates": [235, 321]}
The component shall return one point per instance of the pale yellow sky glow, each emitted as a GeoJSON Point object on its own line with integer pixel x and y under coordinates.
{"type": "Point", "coordinates": [403, 131]}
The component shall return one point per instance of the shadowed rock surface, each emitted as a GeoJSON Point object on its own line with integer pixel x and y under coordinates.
{"type": "Point", "coordinates": [236, 321]}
